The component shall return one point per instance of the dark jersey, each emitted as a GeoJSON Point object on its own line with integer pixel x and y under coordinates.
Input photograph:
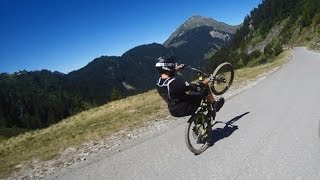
{"type": "Point", "coordinates": [182, 97]}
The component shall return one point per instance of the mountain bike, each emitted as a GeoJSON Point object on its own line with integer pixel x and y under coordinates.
{"type": "Point", "coordinates": [198, 130]}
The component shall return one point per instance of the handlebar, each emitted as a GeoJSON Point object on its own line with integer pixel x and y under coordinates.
{"type": "Point", "coordinates": [197, 70]}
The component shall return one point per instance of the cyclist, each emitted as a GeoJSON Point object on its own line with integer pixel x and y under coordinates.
{"type": "Point", "coordinates": [183, 98]}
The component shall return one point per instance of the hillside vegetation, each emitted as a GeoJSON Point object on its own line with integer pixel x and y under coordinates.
{"type": "Point", "coordinates": [269, 27]}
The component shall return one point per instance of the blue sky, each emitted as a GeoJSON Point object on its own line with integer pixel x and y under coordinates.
{"type": "Point", "coordinates": [65, 35]}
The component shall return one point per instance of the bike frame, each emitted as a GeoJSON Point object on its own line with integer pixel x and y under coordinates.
{"type": "Point", "coordinates": [205, 106]}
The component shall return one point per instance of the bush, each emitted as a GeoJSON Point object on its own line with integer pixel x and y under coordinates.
{"type": "Point", "coordinates": [277, 49]}
{"type": "Point", "coordinates": [268, 51]}
{"type": "Point", "coordinates": [305, 20]}
{"type": "Point", "coordinates": [317, 19]}
{"type": "Point", "coordinates": [255, 54]}
{"type": "Point", "coordinates": [245, 58]}
{"type": "Point", "coordinates": [263, 60]}
{"type": "Point", "coordinates": [239, 64]}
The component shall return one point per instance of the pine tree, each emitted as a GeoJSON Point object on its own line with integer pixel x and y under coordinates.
{"type": "Point", "coordinates": [115, 94]}
{"type": "Point", "coordinates": [277, 49]}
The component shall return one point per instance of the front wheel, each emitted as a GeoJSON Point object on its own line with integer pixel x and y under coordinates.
{"type": "Point", "coordinates": [223, 74]}
{"type": "Point", "coordinates": [197, 133]}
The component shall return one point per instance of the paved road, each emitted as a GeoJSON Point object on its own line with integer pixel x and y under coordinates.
{"type": "Point", "coordinates": [277, 136]}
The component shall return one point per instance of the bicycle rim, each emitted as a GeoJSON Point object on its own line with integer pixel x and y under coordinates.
{"type": "Point", "coordinates": [223, 74]}
{"type": "Point", "coordinates": [196, 135]}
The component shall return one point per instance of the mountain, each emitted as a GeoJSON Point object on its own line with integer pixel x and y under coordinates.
{"type": "Point", "coordinates": [203, 35]}
{"type": "Point", "coordinates": [131, 73]}
{"type": "Point", "coordinates": [219, 30]}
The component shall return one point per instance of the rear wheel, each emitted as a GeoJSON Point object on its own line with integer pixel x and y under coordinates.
{"type": "Point", "coordinates": [223, 74]}
{"type": "Point", "coordinates": [197, 133]}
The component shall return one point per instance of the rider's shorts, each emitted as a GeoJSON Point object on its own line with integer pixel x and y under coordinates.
{"type": "Point", "coordinates": [186, 107]}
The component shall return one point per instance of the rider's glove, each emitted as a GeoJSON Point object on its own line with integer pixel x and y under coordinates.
{"type": "Point", "coordinates": [182, 66]}
{"type": "Point", "coordinates": [211, 78]}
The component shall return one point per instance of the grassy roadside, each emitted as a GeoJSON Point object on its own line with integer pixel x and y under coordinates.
{"type": "Point", "coordinates": [251, 73]}
{"type": "Point", "coordinates": [98, 123]}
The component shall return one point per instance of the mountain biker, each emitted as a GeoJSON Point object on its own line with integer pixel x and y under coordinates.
{"type": "Point", "coordinates": [183, 98]}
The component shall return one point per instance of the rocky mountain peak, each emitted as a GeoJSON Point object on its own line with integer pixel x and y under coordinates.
{"type": "Point", "coordinates": [198, 21]}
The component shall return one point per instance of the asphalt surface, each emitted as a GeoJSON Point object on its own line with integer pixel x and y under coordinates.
{"type": "Point", "coordinates": [276, 135]}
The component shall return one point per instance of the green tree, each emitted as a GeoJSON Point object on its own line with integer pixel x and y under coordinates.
{"type": "Point", "coordinates": [255, 54]}
{"type": "Point", "coordinates": [268, 51]}
{"type": "Point", "coordinates": [115, 94]}
{"type": "Point", "coordinates": [277, 49]}
{"type": "Point", "coordinates": [306, 20]}
{"type": "Point", "coordinates": [317, 19]}
{"type": "Point", "coordinates": [3, 122]}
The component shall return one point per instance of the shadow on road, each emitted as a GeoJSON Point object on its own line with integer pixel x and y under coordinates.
{"type": "Point", "coordinates": [220, 133]}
